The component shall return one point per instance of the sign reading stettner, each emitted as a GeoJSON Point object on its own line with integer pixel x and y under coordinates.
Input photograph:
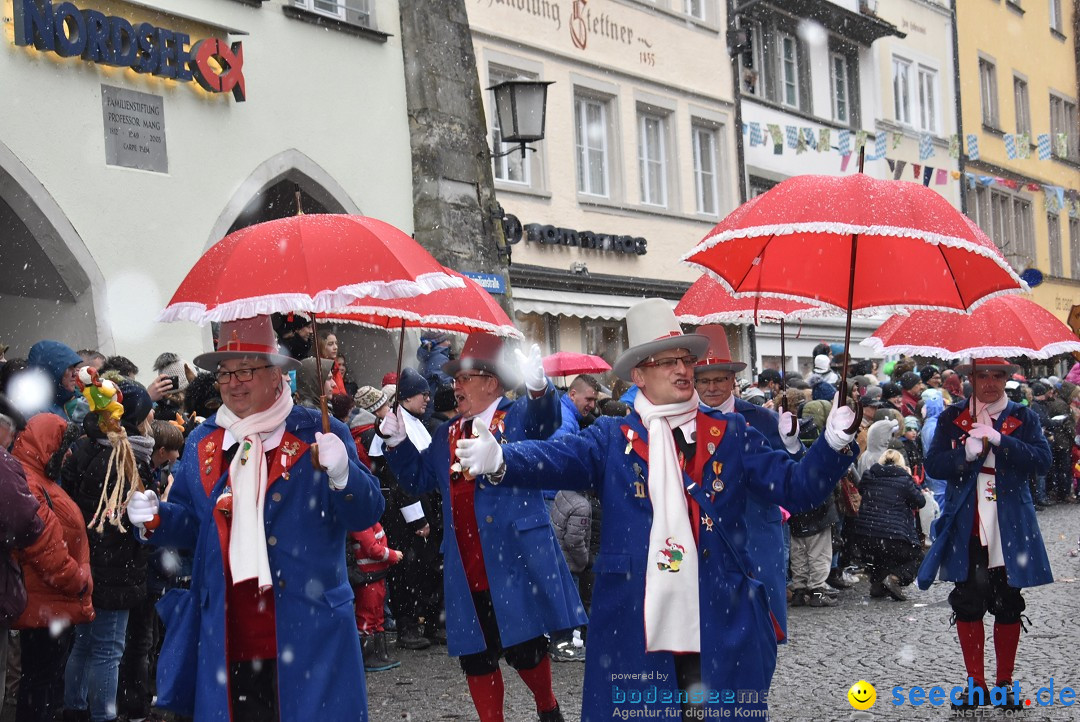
{"type": "Point", "coordinates": [134, 129]}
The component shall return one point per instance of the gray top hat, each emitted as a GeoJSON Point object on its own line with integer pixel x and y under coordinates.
{"type": "Point", "coordinates": [651, 327]}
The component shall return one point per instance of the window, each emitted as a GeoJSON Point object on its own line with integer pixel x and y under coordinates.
{"type": "Point", "coordinates": [1023, 107]}
{"type": "Point", "coordinates": [606, 339]}
{"type": "Point", "coordinates": [652, 157]}
{"type": "Point", "coordinates": [591, 140]}
{"type": "Point", "coordinates": [695, 8]}
{"type": "Point", "coordinates": [1009, 222]}
{"type": "Point", "coordinates": [901, 79]}
{"type": "Point", "coordinates": [1074, 246]}
{"type": "Point", "coordinates": [752, 62]}
{"type": "Point", "coordinates": [1053, 226]}
{"type": "Point", "coordinates": [1055, 15]}
{"type": "Point", "coordinates": [705, 167]}
{"type": "Point", "coordinates": [789, 69]}
{"type": "Point", "coordinates": [512, 168]}
{"type": "Point", "coordinates": [988, 91]}
{"type": "Point", "coordinates": [333, 8]}
{"type": "Point", "coordinates": [1063, 120]}
{"type": "Point", "coordinates": [757, 185]}
{"type": "Point", "coordinates": [838, 64]}
{"type": "Point", "coordinates": [928, 99]}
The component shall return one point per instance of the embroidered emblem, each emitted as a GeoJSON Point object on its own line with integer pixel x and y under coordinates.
{"type": "Point", "coordinates": [991, 490]}
{"type": "Point", "coordinates": [715, 430]}
{"type": "Point", "coordinates": [717, 485]}
{"type": "Point", "coordinates": [707, 522]}
{"type": "Point", "coordinates": [291, 449]}
{"type": "Point", "coordinates": [670, 559]}
{"type": "Point", "coordinates": [711, 447]}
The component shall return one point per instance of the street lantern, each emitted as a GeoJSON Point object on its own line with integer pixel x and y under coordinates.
{"type": "Point", "coordinates": [520, 106]}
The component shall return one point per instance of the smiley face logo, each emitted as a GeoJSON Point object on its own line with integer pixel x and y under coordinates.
{"type": "Point", "coordinates": [862, 695]}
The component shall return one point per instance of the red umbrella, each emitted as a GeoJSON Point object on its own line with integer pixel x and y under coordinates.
{"type": "Point", "coordinates": [464, 310]}
{"type": "Point", "coordinates": [306, 262]}
{"type": "Point", "coordinates": [566, 363]}
{"type": "Point", "coordinates": [1008, 326]}
{"type": "Point", "coordinates": [855, 242]}
{"type": "Point", "coordinates": [707, 301]}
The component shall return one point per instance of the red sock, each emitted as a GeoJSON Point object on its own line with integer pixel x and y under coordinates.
{"type": "Point", "coordinates": [538, 680]}
{"type": "Point", "coordinates": [487, 695]}
{"type": "Point", "coordinates": [972, 637]}
{"type": "Point", "coordinates": [1006, 637]}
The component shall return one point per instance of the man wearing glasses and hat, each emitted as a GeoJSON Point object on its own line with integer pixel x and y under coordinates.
{"type": "Point", "coordinates": [988, 540]}
{"type": "Point", "coordinates": [714, 379]}
{"type": "Point", "coordinates": [269, 616]}
{"type": "Point", "coordinates": [679, 623]}
{"type": "Point", "coordinates": [505, 578]}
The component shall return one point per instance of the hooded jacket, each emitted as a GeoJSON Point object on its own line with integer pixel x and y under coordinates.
{"type": "Point", "coordinates": [889, 496]}
{"type": "Point", "coordinates": [20, 527]}
{"type": "Point", "coordinates": [55, 358]}
{"type": "Point", "coordinates": [56, 568]}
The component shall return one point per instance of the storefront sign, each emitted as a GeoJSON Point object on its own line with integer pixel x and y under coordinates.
{"type": "Point", "coordinates": [134, 129]}
{"type": "Point", "coordinates": [490, 282]}
{"type": "Point", "coordinates": [98, 38]}
{"type": "Point", "coordinates": [552, 235]}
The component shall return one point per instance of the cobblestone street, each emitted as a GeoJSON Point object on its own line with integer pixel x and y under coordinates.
{"type": "Point", "coordinates": [886, 643]}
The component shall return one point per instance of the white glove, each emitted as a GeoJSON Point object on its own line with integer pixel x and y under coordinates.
{"type": "Point", "coordinates": [985, 431]}
{"type": "Point", "coordinates": [789, 424]}
{"type": "Point", "coordinates": [333, 458]}
{"type": "Point", "coordinates": [392, 428]}
{"type": "Point", "coordinates": [532, 369]}
{"type": "Point", "coordinates": [481, 454]}
{"type": "Point", "coordinates": [973, 448]}
{"type": "Point", "coordinates": [840, 418]}
{"type": "Point", "coordinates": [142, 507]}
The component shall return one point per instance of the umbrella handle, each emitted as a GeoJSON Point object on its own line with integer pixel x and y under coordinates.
{"type": "Point", "coordinates": [858, 407]}
{"type": "Point", "coordinates": [783, 410]}
{"type": "Point", "coordinates": [325, 430]}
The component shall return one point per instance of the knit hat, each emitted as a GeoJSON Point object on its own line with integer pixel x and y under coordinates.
{"type": "Point", "coordinates": [391, 392]}
{"type": "Point", "coordinates": [137, 405]}
{"type": "Point", "coordinates": [871, 395]}
{"type": "Point", "coordinates": [1039, 389]}
{"type": "Point", "coordinates": [911, 423]}
{"type": "Point", "coordinates": [169, 364]}
{"type": "Point", "coordinates": [370, 399]}
{"type": "Point", "coordinates": [909, 380]}
{"type": "Point", "coordinates": [928, 373]}
{"type": "Point", "coordinates": [769, 376]}
{"type": "Point", "coordinates": [821, 364]}
{"type": "Point", "coordinates": [823, 391]}
{"type": "Point", "coordinates": [389, 378]}
{"type": "Point", "coordinates": [410, 383]}
{"type": "Point", "coordinates": [890, 391]}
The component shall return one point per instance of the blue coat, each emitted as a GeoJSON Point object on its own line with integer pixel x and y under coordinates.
{"type": "Point", "coordinates": [738, 638]}
{"type": "Point", "coordinates": [571, 419]}
{"type": "Point", "coordinates": [531, 588]}
{"type": "Point", "coordinates": [320, 669]}
{"type": "Point", "coordinates": [764, 522]}
{"type": "Point", "coordinates": [1023, 451]}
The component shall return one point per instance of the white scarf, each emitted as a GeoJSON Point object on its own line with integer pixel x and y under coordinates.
{"type": "Point", "coordinates": [672, 610]}
{"type": "Point", "coordinates": [986, 490]}
{"type": "Point", "coordinates": [248, 479]}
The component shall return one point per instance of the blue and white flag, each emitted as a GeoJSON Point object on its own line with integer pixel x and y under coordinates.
{"type": "Point", "coordinates": [972, 146]}
{"type": "Point", "coordinates": [844, 141]}
{"type": "Point", "coordinates": [926, 147]}
{"type": "Point", "coordinates": [1044, 146]}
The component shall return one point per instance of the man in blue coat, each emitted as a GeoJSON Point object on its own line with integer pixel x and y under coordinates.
{"type": "Point", "coordinates": [267, 630]}
{"type": "Point", "coordinates": [714, 379]}
{"type": "Point", "coordinates": [679, 623]}
{"type": "Point", "coordinates": [506, 581]}
{"type": "Point", "coordinates": [988, 540]}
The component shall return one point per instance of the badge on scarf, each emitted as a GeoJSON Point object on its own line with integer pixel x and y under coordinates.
{"type": "Point", "coordinates": [670, 559]}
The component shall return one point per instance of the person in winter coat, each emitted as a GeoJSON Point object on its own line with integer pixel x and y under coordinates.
{"type": "Point", "coordinates": [61, 363]}
{"type": "Point", "coordinates": [20, 526]}
{"type": "Point", "coordinates": [506, 582]}
{"type": "Point", "coordinates": [933, 405]}
{"type": "Point", "coordinates": [117, 560]}
{"type": "Point", "coordinates": [676, 606]}
{"type": "Point", "coordinates": [369, 561]}
{"type": "Point", "coordinates": [988, 540]}
{"type": "Point", "coordinates": [572, 519]}
{"type": "Point", "coordinates": [883, 533]}
{"type": "Point", "coordinates": [267, 630]}
{"type": "Point", "coordinates": [56, 570]}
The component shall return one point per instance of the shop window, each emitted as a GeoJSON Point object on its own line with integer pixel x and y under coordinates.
{"type": "Point", "coordinates": [606, 339]}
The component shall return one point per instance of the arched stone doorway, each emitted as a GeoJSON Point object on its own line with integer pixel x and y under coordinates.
{"type": "Point", "coordinates": [51, 286]}
{"type": "Point", "coordinates": [270, 193]}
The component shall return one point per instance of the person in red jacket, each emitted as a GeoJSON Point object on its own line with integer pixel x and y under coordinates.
{"type": "Point", "coordinates": [367, 570]}
{"type": "Point", "coordinates": [56, 569]}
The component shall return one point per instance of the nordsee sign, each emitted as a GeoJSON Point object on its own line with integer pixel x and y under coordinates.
{"type": "Point", "coordinates": [145, 48]}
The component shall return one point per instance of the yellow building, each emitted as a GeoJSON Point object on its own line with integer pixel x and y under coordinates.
{"type": "Point", "coordinates": [1018, 83]}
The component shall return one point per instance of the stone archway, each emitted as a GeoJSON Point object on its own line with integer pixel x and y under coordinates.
{"type": "Point", "coordinates": [51, 286]}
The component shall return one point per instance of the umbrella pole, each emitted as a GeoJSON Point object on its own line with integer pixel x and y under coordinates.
{"type": "Point", "coordinates": [322, 391]}
{"type": "Point", "coordinates": [400, 353]}
{"type": "Point", "coordinates": [783, 378]}
{"type": "Point", "coordinates": [847, 336]}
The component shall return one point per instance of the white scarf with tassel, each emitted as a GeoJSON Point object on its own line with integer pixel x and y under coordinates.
{"type": "Point", "coordinates": [672, 610]}
{"type": "Point", "coordinates": [248, 474]}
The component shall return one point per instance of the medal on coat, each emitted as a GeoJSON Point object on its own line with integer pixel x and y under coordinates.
{"type": "Point", "coordinates": [707, 522]}
{"type": "Point", "coordinates": [718, 484]}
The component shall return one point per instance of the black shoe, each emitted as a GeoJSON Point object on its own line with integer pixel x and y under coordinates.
{"type": "Point", "coordinates": [798, 597]}
{"type": "Point", "coordinates": [892, 586]}
{"type": "Point", "coordinates": [968, 703]}
{"type": "Point", "coordinates": [376, 656]}
{"type": "Point", "coordinates": [553, 715]}
{"type": "Point", "coordinates": [410, 638]}
{"type": "Point", "coordinates": [435, 636]}
{"type": "Point", "coordinates": [1012, 701]}
{"type": "Point", "coordinates": [878, 590]}
{"type": "Point", "coordinates": [836, 579]}
{"type": "Point", "coordinates": [818, 598]}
